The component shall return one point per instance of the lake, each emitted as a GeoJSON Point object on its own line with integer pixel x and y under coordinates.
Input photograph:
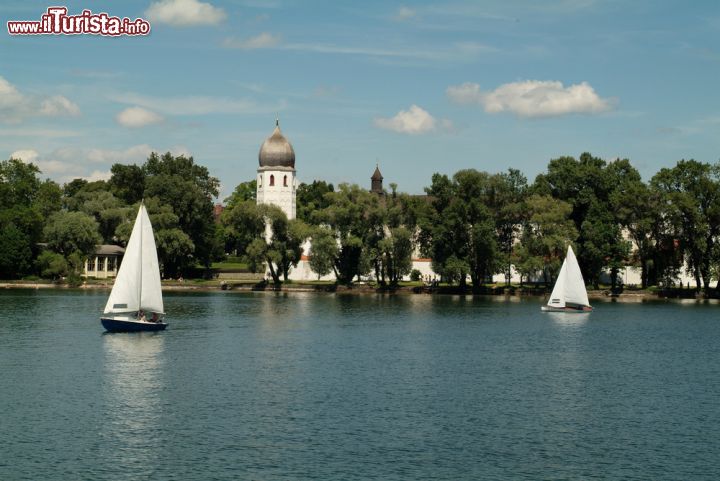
{"type": "Point", "coordinates": [296, 386]}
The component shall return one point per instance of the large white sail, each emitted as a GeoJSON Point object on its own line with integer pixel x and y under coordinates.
{"type": "Point", "coordinates": [570, 285]}
{"type": "Point", "coordinates": [137, 286]}
{"type": "Point", "coordinates": [575, 292]}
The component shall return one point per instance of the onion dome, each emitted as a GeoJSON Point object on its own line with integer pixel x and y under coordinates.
{"type": "Point", "coordinates": [276, 151]}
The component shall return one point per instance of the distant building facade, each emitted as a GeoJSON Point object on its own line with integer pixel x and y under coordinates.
{"type": "Point", "coordinates": [105, 262]}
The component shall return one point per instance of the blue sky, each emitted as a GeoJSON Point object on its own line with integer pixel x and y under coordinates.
{"type": "Point", "coordinates": [420, 87]}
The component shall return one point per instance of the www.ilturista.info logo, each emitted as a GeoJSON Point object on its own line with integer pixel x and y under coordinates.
{"type": "Point", "coordinates": [57, 22]}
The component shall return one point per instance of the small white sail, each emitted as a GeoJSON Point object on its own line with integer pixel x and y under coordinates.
{"type": "Point", "coordinates": [570, 285]}
{"type": "Point", "coordinates": [557, 297]}
{"type": "Point", "coordinates": [137, 286]}
{"type": "Point", "coordinates": [575, 292]}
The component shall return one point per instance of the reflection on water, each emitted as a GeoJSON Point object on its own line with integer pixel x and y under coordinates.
{"type": "Point", "coordinates": [132, 392]}
{"type": "Point", "coordinates": [568, 318]}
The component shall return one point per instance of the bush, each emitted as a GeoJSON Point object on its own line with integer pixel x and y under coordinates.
{"type": "Point", "coordinates": [415, 275]}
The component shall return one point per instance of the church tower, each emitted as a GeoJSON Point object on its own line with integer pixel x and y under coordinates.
{"type": "Point", "coordinates": [276, 183]}
{"type": "Point", "coordinates": [376, 181]}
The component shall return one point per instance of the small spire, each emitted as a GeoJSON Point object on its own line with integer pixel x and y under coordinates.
{"type": "Point", "coordinates": [277, 120]}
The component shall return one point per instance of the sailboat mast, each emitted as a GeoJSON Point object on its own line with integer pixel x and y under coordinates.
{"type": "Point", "coordinates": [142, 218]}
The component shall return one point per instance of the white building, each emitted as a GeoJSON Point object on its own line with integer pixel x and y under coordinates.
{"type": "Point", "coordinates": [276, 182]}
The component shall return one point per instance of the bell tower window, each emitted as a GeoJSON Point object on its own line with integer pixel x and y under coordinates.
{"type": "Point", "coordinates": [285, 181]}
{"type": "Point", "coordinates": [272, 180]}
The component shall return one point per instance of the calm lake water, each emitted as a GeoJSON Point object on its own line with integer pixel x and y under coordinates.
{"type": "Point", "coordinates": [272, 386]}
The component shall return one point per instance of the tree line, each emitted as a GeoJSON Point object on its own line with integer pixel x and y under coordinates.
{"type": "Point", "coordinates": [473, 224]}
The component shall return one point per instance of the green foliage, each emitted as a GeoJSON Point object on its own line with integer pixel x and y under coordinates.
{"type": "Point", "coordinates": [547, 230]}
{"type": "Point", "coordinates": [690, 201]}
{"type": "Point", "coordinates": [15, 252]}
{"type": "Point", "coordinates": [324, 251]}
{"type": "Point", "coordinates": [415, 275]}
{"type": "Point", "coordinates": [72, 232]}
{"type": "Point", "coordinates": [355, 219]}
{"type": "Point", "coordinates": [25, 203]}
{"type": "Point", "coordinates": [311, 198]}
{"type": "Point", "coordinates": [127, 183]}
{"type": "Point", "coordinates": [51, 265]}
{"type": "Point", "coordinates": [277, 246]}
{"type": "Point", "coordinates": [244, 192]}
{"type": "Point", "coordinates": [189, 189]}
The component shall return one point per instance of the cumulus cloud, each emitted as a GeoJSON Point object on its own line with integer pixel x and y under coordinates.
{"type": "Point", "coordinates": [26, 155]}
{"type": "Point", "coordinates": [16, 106]}
{"type": "Point", "coordinates": [184, 13]}
{"type": "Point", "coordinates": [68, 163]}
{"type": "Point", "coordinates": [264, 40]}
{"type": "Point", "coordinates": [134, 117]}
{"type": "Point", "coordinates": [58, 105]}
{"type": "Point", "coordinates": [413, 121]}
{"type": "Point", "coordinates": [532, 98]}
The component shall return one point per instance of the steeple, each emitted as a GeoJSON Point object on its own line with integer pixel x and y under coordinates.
{"type": "Point", "coordinates": [376, 181]}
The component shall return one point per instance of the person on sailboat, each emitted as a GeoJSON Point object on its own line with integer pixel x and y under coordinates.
{"type": "Point", "coordinates": [141, 316]}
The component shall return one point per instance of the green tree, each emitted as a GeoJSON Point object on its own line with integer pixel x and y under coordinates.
{"type": "Point", "coordinates": [72, 232]}
{"type": "Point", "coordinates": [15, 252]}
{"type": "Point", "coordinates": [587, 184]}
{"type": "Point", "coordinates": [127, 183]}
{"type": "Point", "coordinates": [461, 229]}
{"type": "Point", "coordinates": [691, 200]}
{"type": "Point", "coordinates": [174, 247]}
{"type": "Point", "coordinates": [189, 189]}
{"type": "Point", "coordinates": [324, 251]}
{"type": "Point", "coordinates": [51, 264]}
{"type": "Point", "coordinates": [243, 192]}
{"type": "Point", "coordinates": [547, 231]}
{"type": "Point", "coordinates": [25, 202]}
{"type": "Point", "coordinates": [353, 216]}
{"type": "Point", "coordinates": [312, 198]}
{"type": "Point", "coordinates": [267, 238]}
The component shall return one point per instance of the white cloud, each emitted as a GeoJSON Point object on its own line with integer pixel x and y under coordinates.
{"type": "Point", "coordinates": [264, 40]}
{"type": "Point", "coordinates": [532, 98]}
{"type": "Point", "coordinates": [134, 117]}
{"type": "Point", "coordinates": [184, 13]}
{"type": "Point", "coordinates": [68, 163]}
{"type": "Point", "coordinates": [413, 121]}
{"type": "Point", "coordinates": [16, 106]}
{"type": "Point", "coordinates": [26, 155]}
{"type": "Point", "coordinates": [193, 105]}
{"type": "Point", "coordinates": [58, 105]}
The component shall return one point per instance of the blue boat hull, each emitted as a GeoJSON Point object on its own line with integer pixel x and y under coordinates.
{"type": "Point", "coordinates": [117, 325]}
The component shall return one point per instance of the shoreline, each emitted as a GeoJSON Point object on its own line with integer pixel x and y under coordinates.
{"type": "Point", "coordinates": [596, 295]}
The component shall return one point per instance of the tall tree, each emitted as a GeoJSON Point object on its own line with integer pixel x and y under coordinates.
{"type": "Point", "coordinates": [354, 218]}
{"type": "Point", "coordinates": [25, 203]}
{"type": "Point", "coordinates": [547, 231]}
{"type": "Point", "coordinates": [188, 189]}
{"type": "Point", "coordinates": [587, 185]}
{"type": "Point", "coordinates": [311, 198]}
{"type": "Point", "coordinates": [462, 229]}
{"type": "Point", "coordinates": [691, 199]}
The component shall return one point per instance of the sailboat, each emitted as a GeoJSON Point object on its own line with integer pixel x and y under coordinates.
{"type": "Point", "coordinates": [135, 302]}
{"type": "Point", "coordinates": [569, 294]}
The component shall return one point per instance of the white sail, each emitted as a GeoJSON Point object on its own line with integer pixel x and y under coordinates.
{"type": "Point", "coordinates": [137, 286]}
{"type": "Point", "coordinates": [557, 297]}
{"type": "Point", "coordinates": [575, 292]}
{"type": "Point", "coordinates": [570, 285]}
